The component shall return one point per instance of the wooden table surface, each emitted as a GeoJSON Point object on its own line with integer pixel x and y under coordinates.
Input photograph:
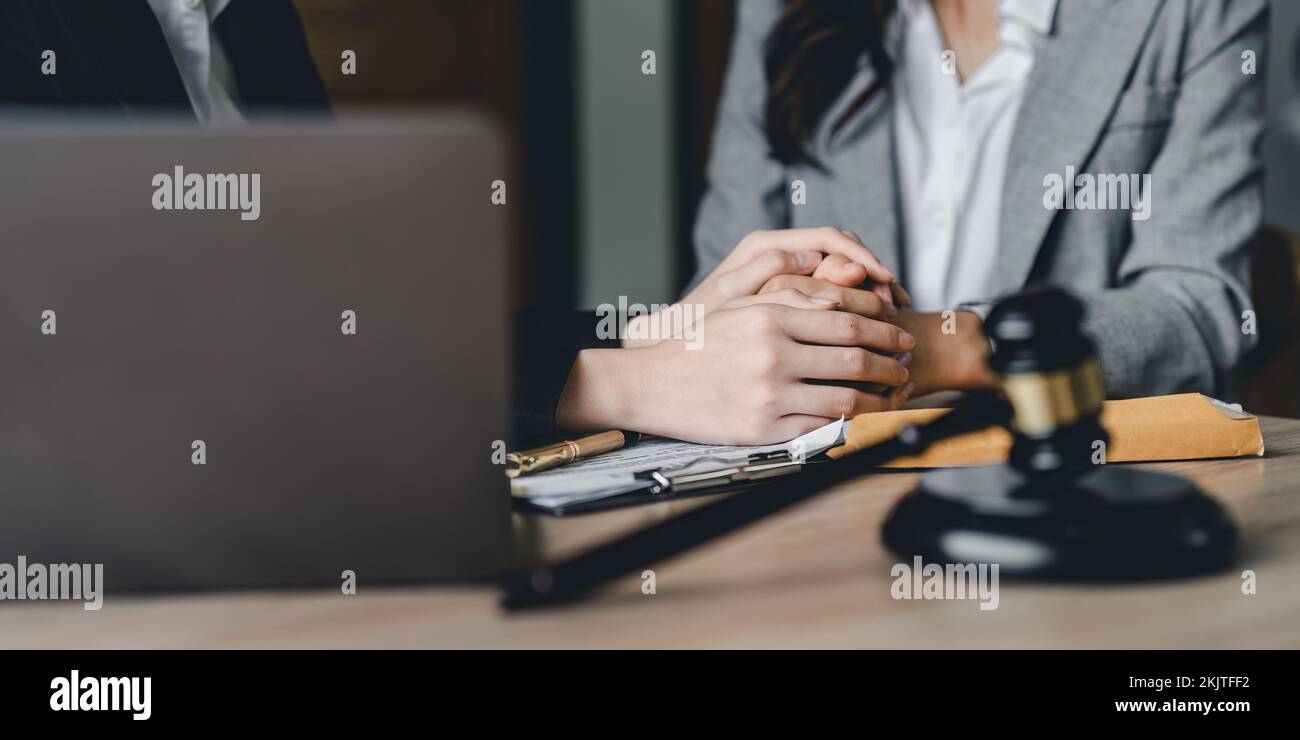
{"type": "Point", "coordinates": [813, 577]}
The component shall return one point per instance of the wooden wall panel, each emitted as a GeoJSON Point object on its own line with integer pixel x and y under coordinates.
{"type": "Point", "coordinates": [420, 50]}
{"type": "Point", "coordinates": [431, 52]}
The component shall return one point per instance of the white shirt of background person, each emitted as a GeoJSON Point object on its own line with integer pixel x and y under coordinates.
{"type": "Point", "coordinates": [953, 138]}
{"type": "Point", "coordinates": [209, 81]}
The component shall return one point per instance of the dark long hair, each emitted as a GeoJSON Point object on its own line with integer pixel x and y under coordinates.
{"type": "Point", "coordinates": [812, 55]}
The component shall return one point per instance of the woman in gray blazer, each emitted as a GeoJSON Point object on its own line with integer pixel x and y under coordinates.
{"type": "Point", "coordinates": [964, 149]}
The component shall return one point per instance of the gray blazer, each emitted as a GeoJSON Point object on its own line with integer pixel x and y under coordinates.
{"type": "Point", "coordinates": [1119, 87]}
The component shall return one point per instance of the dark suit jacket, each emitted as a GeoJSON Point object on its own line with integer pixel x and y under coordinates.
{"type": "Point", "coordinates": [111, 54]}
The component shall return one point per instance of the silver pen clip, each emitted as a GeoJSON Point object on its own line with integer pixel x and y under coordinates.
{"type": "Point", "coordinates": [758, 467]}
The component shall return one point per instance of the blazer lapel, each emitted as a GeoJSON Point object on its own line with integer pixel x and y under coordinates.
{"type": "Point", "coordinates": [865, 169]}
{"type": "Point", "coordinates": [1075, 84]}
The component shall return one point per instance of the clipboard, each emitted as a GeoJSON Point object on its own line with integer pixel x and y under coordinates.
{"type": "Point", "coordinates": [728, 477]}
{"type": "Point", "coordinates": [658, 469]}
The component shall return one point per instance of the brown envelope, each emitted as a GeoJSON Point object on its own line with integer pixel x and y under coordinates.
{"type": "Point", "coordinates": [1188, 426]}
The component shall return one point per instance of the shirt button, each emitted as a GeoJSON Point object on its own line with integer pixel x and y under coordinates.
{"type": "Point", "coordinates": [193, 4]}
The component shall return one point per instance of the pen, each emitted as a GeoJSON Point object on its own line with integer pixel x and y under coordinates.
{"type": "Point", "coordinates": [563, 453]}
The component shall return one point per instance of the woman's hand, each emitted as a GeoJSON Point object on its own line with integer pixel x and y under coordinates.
{"type": "Point", "coordinates": [846, 282]}
{"type": "Point", "coordinates": [952, 351]}
{"type": "Point", "coordinates": [855, 300]}
{"type": "Point", "coordinates": [840, 271]}
{"type": "Point", "coordinates": [762, 256]}
{"type": "Point", "coordinates": [745, 384]}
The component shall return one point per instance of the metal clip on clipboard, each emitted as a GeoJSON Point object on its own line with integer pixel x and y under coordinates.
{"type": "Point", "coordinates": [760, 466]}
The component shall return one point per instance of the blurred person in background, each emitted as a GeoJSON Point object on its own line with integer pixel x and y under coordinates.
{"type": "Point", "coordinates": [222, 62]}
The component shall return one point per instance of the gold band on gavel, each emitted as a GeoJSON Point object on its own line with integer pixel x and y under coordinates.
{"type": "Point", "coordinates": [1044, 402]}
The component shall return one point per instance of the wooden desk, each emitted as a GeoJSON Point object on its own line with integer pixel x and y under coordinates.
{"type": "Point", "coordinates": [814, 577]}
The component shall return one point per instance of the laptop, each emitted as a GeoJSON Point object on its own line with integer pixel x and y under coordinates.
{"type": "Point", "coordinates": [268, 357]}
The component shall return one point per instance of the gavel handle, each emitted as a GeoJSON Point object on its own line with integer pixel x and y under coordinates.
{"type": "Point", "coordinates": [570, 580]}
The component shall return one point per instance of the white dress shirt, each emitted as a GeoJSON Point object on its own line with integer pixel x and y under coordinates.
{"type": "Point", "coordinates": [952, 141]}
{"type": "Point", "coordinates": [202, 63]}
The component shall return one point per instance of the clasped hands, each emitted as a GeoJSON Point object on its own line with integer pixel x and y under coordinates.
{"type": "Point", "coordinates": [800, 327]}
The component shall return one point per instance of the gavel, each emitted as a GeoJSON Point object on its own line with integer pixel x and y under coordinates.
{"type": "Point", "coordinates": [1054, 511]}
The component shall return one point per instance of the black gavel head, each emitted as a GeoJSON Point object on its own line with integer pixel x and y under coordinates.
{"type": "Point", "coordinates": [1056, 511]}
{"type": "Point", "coordinates": [1050, 373]}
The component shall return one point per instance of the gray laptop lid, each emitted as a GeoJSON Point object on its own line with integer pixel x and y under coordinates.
{"type": "Point", "coordinates": [201, 398]}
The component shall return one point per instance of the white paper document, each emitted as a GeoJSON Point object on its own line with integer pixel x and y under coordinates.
{"type": "Point", "coordinates": [615, 472]}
